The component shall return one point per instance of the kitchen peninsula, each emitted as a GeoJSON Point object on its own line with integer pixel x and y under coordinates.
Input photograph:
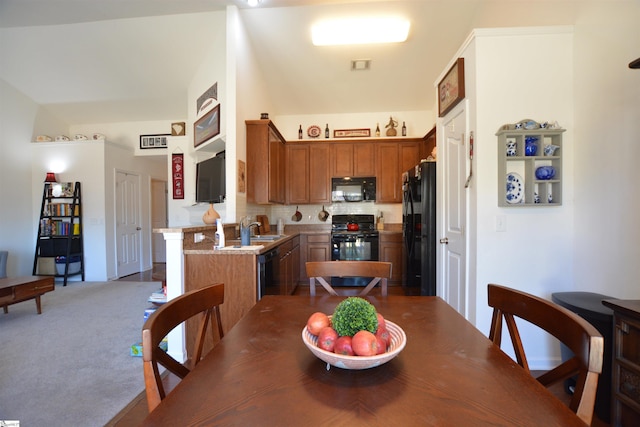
{"type": "Point", "coordinates": [192, 265]}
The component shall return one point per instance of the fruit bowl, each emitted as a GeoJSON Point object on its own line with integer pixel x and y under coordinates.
{"type": "Point", "coordinates": [398, 341]}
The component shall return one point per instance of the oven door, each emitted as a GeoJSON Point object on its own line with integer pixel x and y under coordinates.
{"type": "Point", "coordinates": [353, 247]}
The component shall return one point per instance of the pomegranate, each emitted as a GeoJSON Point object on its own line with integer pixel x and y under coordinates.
{"type": "Point", "coordinates": [344, 346]}
{"type": "Point", "coordinates": [316, 322]}
{"type": "Point", "coordinates": [327, 338]}
{"type": "Point", "coordinates": [364, 343]}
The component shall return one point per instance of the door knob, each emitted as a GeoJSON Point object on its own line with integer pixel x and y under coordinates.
{"type": "Point", "coordinates": [138, 228]}
{"type": "Point", "coordinates": [444, 241]}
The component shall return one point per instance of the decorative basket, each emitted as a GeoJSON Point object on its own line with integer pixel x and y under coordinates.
{"type": "Point", "coordinates": [398, 341]}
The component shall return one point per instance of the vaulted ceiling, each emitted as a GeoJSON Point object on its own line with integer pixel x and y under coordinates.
{"type": "Point", "coordinates": [95, 61]}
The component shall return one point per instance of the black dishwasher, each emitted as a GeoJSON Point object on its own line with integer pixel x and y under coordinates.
{"type": "Point", "coordinates": [269, 273]}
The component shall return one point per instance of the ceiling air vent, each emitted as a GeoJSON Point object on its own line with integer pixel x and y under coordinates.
{"type": "Point", "coordinates": [360, 64]}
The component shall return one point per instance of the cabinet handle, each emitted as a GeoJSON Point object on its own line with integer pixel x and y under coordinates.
{"type": "Point", "coordinates": [624, 327]}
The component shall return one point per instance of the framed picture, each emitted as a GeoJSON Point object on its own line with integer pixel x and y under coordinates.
{"type": "Point", "coordinates": [351, 133]}
{"type": "Point", "coordinates": [242, 182]}
{"type": "Point", "coordinates": [451, 88]}
{"type": "Point", "coordinates": [177, 129]}
{"type": "Point", "coordinates": [153, 141]}
{"type": "Point", "coordinates": [207, 126]}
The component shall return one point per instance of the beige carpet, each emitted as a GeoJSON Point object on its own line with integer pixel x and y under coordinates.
{"type": "Point", "coordinates": [70, 366]}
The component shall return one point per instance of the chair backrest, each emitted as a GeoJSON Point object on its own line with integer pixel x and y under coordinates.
{"type": "Point", "coordinates": [379, 271]}
{"type": "Point", "coordinates": [204, 302]}
{"type": "Point", "coordinates": [584, 340]}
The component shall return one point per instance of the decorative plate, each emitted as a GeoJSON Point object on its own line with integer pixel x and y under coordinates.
{"type": "Point", "coordinates": [398, 341]}
{"type": "Point", "coordinates": [515, 188]}
{"type": "Point", "coordinates": [314, 131]}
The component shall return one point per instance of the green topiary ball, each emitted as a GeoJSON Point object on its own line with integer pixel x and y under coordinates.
{"type": "Point", "coordinates": [354, 314]}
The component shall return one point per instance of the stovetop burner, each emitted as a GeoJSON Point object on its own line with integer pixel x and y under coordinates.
{"type": "Point", "coordinates": [366, 224]}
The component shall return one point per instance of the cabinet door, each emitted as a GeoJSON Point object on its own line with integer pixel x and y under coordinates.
{"type": "Point", "coordinates": [295, 267]}
{"type": "Point", "coordinates": [364, 163]}
{"type": "Point", "coordinates": [342, 160]}
{"type": "Point", "coordinates": [409, 156]}
{"type": "Point", "coordinates": [315, 247]}
{"type": "Point", "coordinates": [388, 173]}
{"type": "Point", "coordinates": [391, 251]}
{"type": "Point", "coordinates": [319, 179]}
{"type": "Point", "coordinates": [276, 169]}
{"type": "Point", "coordinates": [298, 174]}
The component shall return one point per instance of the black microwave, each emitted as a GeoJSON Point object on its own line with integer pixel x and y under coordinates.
{"type": "Point", "coordinates": [350, 189]}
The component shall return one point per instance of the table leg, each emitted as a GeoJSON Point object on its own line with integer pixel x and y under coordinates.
{"type": "Point", "coordinates": [6, 309]}
{"type": "Point", "coordinates": [38, 304]}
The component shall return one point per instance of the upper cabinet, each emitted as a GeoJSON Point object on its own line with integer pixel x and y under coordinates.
{"type": "Point", "coordinates": [265, 163]}
{"type": "Point", "coordinates": [300, 172]}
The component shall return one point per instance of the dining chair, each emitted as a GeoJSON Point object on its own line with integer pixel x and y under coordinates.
{"type": "Point", "coordinates": [379, 271]}
{"type": "Point", "coordinates": [202, 302]}
{"type": "Point", "coordinates": [583, 339]}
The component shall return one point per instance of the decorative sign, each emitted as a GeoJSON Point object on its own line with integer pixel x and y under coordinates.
{"type": "Point", "coordinates": [177, 173]}
{"type": "Point", "coordinates": [207, 98]}
{"type": "Point", "coordinates": [451, 88]}
{"type": "Point", "coordinates": [242, 183]}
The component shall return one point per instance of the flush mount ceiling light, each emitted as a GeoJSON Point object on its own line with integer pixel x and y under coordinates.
{"type": "Point", "coordinates": [360, 31]}
{"type": "Point", "coordinates": [253, 3]}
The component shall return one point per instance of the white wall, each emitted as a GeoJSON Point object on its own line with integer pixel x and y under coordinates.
{"type": "Point", "coordinates": [607, 126]}
{"type": "Point", "coordinates": [18, 118]}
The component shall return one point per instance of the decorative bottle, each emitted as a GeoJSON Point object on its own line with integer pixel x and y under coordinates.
{"type": "Point", "coordinates": [219, 236]}
{"type": "Point", "coordinates": [377, 129]}
{"type": "Point", "coordinates": [326, 131]}
{"type": "Point", "coordinates": [300, 132]}
{"type": "Point", "coordinates": [404, 129]}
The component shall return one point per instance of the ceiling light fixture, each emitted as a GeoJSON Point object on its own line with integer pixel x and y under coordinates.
{"type": "Point", "coordinates": [253, 3]}
{"type": "Point", "coordinates": [360, 31]}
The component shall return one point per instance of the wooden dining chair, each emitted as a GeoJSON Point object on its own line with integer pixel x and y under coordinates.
{"type": "Point", "coordinates": [583, 339]}
{"type": "Point", "coordinates": [379, 271]}
{"type": "Point", "coordinates": [202, 302]}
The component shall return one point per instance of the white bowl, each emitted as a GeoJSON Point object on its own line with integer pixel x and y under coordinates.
{"type": "Point", "coordinates": [398, 341]}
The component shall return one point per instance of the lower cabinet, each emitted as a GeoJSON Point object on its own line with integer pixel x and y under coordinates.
{"type": "Point", "coordinates": [626, 362]}
{"type": "Point", "coordinates": [290, 265]}
{"type": "Point", "coordinates": [390, 250]}
{"type": "Point", "coordinates": [315, 247]}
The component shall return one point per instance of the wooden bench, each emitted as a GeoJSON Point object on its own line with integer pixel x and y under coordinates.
{"type": "Point", "coordinates": [17, 289]}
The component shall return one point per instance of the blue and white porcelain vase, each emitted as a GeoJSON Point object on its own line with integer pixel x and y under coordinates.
{"type": "Point", "coordinates": [530, 146]}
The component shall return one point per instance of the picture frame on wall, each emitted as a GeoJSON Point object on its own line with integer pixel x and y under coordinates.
{"type": "Point", "coordinates": [207, 126]}
{"type": "Point", "coordinates": [153, 141]}
{"type": "Point", "coordinates": [451, 88]}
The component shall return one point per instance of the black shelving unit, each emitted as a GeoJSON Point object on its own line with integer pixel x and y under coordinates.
{"type": "Point", "coordinates": [60, 232]}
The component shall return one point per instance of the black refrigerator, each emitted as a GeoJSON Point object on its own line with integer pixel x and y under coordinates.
{"type": "Point", "coordinates": [419, 228]}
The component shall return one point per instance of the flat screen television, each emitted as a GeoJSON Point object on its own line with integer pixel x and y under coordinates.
{"type": "Point", "coordinates": [210, 180]}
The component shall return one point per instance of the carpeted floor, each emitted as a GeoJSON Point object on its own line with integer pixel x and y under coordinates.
{"type": "Point", "coordinates": [70, 366]}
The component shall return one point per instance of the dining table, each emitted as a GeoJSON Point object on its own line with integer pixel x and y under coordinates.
{"type": "Point", "coordinates": [449, 374]}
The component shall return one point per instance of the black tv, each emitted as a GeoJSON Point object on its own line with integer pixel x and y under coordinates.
{"type": "Point", "coordinates": [210, 180]}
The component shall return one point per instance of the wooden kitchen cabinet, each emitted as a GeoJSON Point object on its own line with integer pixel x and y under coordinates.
{"type": "Point", "coordinates": [314, 247]}
{"type": "Point", "coordinates": [391, 250]}
{"type": "Point", "coordinates": [290, 265]}
{"type": "Point", "coordinates": [626, 362]}
{"type": "Point", "coordinates": [392, 159]}
{"type": "Point", "coordinates": [308, 176]}
{"type": "Point", "coordinates": [265, 163]}
{"type": "Point", "coordinates": [353, 159]}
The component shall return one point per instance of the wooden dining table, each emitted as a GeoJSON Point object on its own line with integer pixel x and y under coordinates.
{"type": "Point", "coordinates": [449, 374]}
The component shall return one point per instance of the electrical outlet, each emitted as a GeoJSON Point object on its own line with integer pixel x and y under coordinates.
{"type": "Point", "coordinates": [501, 223]}
{"type": "Point", "coordinates": [198, 237]}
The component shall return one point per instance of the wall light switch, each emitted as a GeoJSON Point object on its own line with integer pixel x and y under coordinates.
{"type": "Point", "coordinates": [501, 223]}
{"type": "Point", "coordinates": [198, 237]}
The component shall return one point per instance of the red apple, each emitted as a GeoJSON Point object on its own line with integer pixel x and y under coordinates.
{"type": "Point", "coordinates": [364, 343]}
{"type": "Point", "coordinates": [327, 338]}
{"type": "Point", "coordinates": [343, 346]}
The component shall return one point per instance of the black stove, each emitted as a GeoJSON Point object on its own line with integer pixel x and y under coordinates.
{"type": "Point", "coordinates": [366, 225]}
{"type": "Point", "coordinates": [353, 245]}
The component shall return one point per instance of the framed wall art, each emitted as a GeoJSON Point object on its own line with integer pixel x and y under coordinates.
{"type": "Point", "coordinates": [351, 133]}
{"type": "Point", "coordinates": [207, 126]}
{"type": "Point", "coordinates": [153, 141]}
{"type": "Point", "coordinates": [451, 88]}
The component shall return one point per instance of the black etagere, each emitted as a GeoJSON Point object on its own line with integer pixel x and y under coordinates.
{"type": "Point", "coordinates": [59, 245]}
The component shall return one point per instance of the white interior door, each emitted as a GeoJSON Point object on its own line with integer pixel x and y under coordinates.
{"type": "Point", "coordinates": [158, 219]}
{"type": "Point", "coordinates": [128, 229]}
{"type": "Point", "coordinates": [452, 156]}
